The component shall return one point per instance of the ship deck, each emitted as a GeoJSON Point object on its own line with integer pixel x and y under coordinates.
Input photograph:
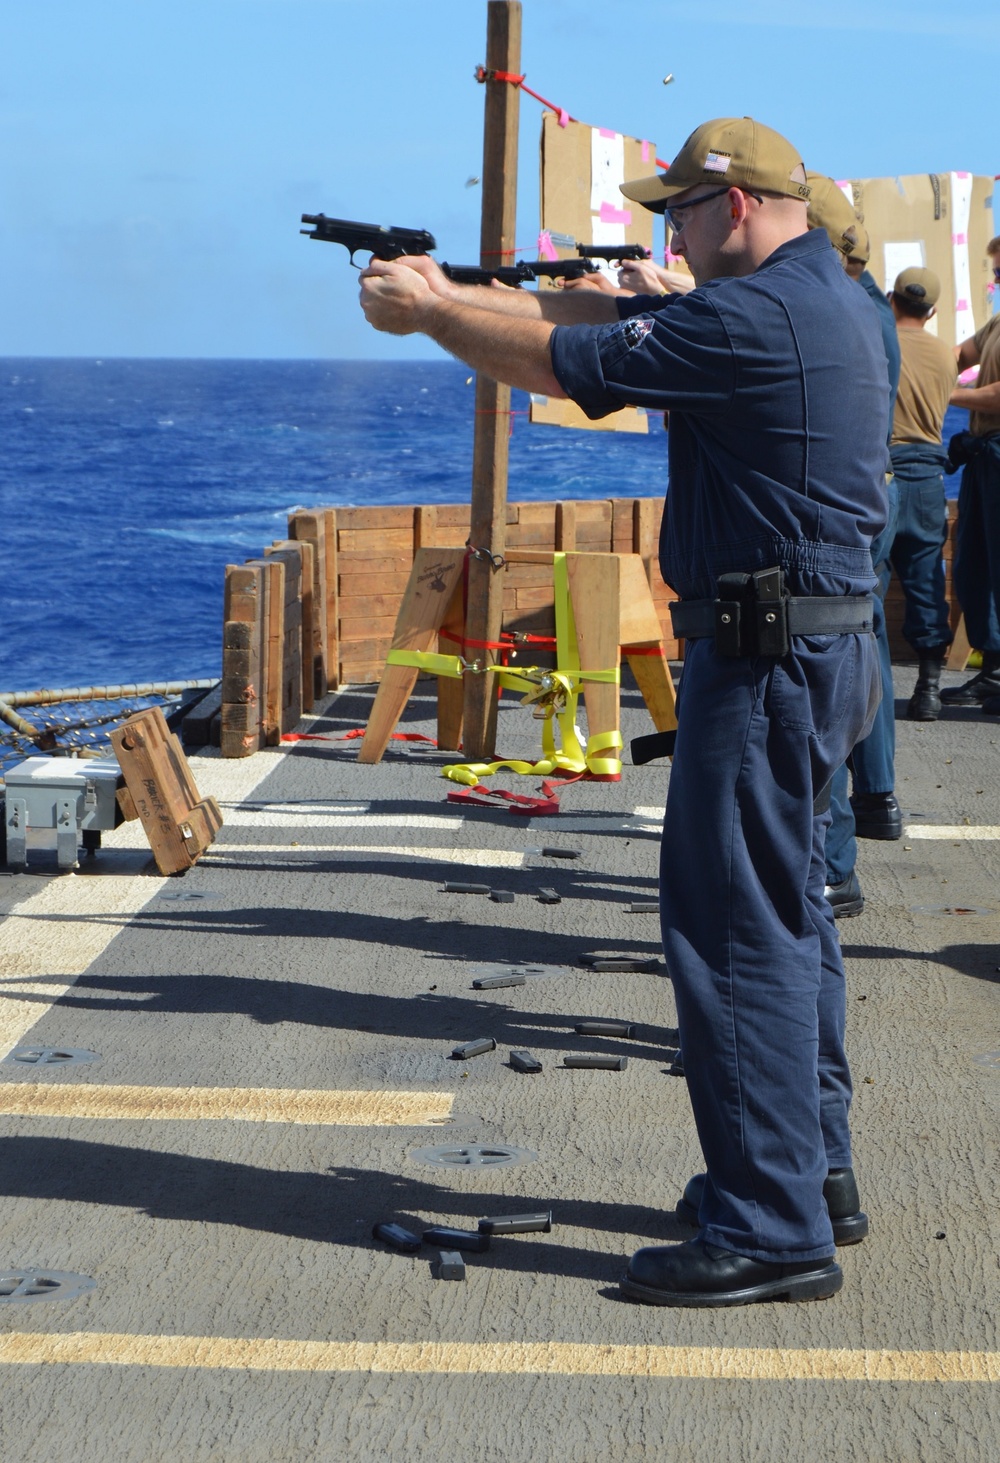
{"type": "Point", "coordinates": [274, 1033]}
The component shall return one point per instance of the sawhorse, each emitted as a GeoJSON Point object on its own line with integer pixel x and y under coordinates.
{"type": "Point", "coordinates": [613, 611]}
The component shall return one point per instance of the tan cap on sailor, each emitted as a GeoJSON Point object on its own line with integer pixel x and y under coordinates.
{"type": "Point", "coordinates": [919, 286]}
{"type": "Point", "coordinates": [830, 210]}
{"type": "Point", "coordinates": [862, 251]}
{"type": "Point", "coordinates": [731, 150]}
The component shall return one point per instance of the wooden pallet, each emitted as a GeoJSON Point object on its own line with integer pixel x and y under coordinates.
{"type": "Point", "coordinates": [179, 823]}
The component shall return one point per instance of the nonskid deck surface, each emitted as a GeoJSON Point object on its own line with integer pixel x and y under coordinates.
{"type": "Point", "coordinates": [274, 1032]}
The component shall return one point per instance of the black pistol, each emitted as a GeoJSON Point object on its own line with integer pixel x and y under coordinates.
{"type": "Point", "coordinates": [558, 268]}
{"type": "Point", "coordinates": [613, 252]}
{"type": "Point", "coordinates": [510, 274]}
{"type": "Point", "coordinates": [383, 240]}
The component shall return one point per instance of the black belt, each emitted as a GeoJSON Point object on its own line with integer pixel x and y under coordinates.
{"type": "Point", "coordinates": [694, 619]}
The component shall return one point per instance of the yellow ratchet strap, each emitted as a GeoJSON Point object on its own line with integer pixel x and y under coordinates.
{"type": "Point", "coordinates": [554, 692]}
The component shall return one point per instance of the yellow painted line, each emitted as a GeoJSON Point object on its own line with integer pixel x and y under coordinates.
{"type": "Point", "coordinates": [248, 1105]}
{"type": "Point", "coordinates": [958, 832]}
{"type": "Point", "coordinates": [553, 1358]}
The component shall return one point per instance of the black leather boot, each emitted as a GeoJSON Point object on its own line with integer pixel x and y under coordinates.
{"type": "Point", "coordinates": [843, 1202]}
{"type": "Point", "coordinates": [699, 1274]}
{"type": "Point", "coordinates": [983, 686]}
{"type": "Point", "coordinates": [925, 703]}
{"type": "Point", "coordinates": [877, 815]}
{"type": "Point", "coordinates": [846, 898]}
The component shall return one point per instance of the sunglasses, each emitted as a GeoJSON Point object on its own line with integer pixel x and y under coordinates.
{"type": "Point", "coordinates": [673, 215]}
{"type": "Point", "coordinates": [996, 271]}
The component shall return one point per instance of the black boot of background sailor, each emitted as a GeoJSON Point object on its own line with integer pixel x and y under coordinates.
{"type": "Point", "coordinates": [983, 686]}
{"type": "Point", "coordinates": [925, 703]}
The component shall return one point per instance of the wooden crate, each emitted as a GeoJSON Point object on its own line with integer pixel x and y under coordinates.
{"type": "Point", "coordinates": [179, 823]}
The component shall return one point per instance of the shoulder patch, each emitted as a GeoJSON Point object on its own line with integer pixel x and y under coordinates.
{"type": "Point", "coordinates": [635, 330]}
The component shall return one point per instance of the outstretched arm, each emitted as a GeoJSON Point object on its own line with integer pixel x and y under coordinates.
{"type": "Point", "coordinates": [559, 307]}
{"type": "Point", "coordinates": [509, 347]}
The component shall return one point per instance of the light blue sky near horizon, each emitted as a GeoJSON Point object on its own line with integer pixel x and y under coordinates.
{"type": "Point", "coordinates": [156, 154]}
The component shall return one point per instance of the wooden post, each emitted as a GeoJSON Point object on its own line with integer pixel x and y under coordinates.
{"type": "Point", "coordinates": [243, 634]}
{"type": "Point", "coordinates": [492, 426]}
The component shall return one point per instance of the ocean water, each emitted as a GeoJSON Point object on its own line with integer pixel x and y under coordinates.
{"type": "Point", "coordinates": [127, 486]}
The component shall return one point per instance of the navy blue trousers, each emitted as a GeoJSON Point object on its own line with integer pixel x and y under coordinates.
{"type": "Point", "coordinates": [915, 554]}
{"type": "Point", "coordinates": [873, 760]}
{"type": "Point", "coordinates": [749, 937]}
{"type": "Point", "coordinates": [977, 547]}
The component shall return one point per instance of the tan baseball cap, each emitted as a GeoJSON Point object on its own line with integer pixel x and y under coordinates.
{"type": "Point", "coordinates": [862, 251]}
{"type": "Point", "coordinates": [830, 210]}
{"type": "Point", "coordinates": [919, 286]}
{"type": "Point", "coordinates": [731, 150]}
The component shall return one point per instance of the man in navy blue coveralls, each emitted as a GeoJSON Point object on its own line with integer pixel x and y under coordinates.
{"type": "Point", "coordinates": [775, 379]}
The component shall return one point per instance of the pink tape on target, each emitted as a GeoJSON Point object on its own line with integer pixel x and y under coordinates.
{"type": "Point", "coordinates": [563, 118]}
{"type": "Point", "coordinates": [963, 175]}
{"type": "Point", "coordinates": [546, 248]}
{"type": "Point", "coordinates": [961, 305]}
{"type": "Point", "coordinates": [645, 151]}
{"type": "Point", "coordinates": [959, 238]}
{"type": "Point", "coordinates": [612, 215]}
{"type": "Point", "coordinates": [606, 132]}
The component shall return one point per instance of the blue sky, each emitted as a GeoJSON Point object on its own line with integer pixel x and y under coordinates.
{"type": "Point", "coordinates": [156, 154]}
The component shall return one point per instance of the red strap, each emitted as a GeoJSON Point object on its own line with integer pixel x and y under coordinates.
{"type": "Point", "coordinates": [529, 807]}
{"type": "Point", "coordinates": [351, 736]}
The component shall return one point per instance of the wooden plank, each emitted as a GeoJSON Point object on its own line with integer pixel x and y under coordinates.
{"type": "Point", "coordinates": [241, 594]}
{"type": "Point", "coordinates": [621, 525]}
{"type": "Point", "coordinates": [272, 650]}
{"type": "Point", "coordinates": [533, 534]}
{"type": "Point", "coordinates": [178, 823]}
{"type": "Point", "coordinates": [371, 606]}
{"type": "Point", "coordinates": [242, 644]}
{"type": "Point", "coordinates": [291, 555]}
{"type": "Point", "coordinates": [453, 515]}
{"type": "Point", "coordinates": [424, 527]}
{"type": "Point", "coordinates": [307, 559]}
{"type": "Point", "coordinates": [450, 689]}
{"type": "Point", "coordinates": [332, 596]}
{"type": "Point", "coordinates": [639, 626]}
{"type": "Point", "coordinates": [565, 527]}
{"type": "Point", "coordinates": [646, 515]}
{"type": "Point", "coordinates": [366, 650]}
{"type": "Point", "coordinates": [374, 583]}
{"type": "Point", "coordinates": [373, 540]}
{"type": "Point", "coordinates": [391, 517]}
{"type": "Point", "coordinates": [241, 674]}
{"type": "Point", "coordinates": [436, 572]}
{"type": "Point", "coordinates": [310, 527]}
{"type": "Point", "coordinates": [595, 597]}
{"type": "Point", "coordinates": [536, 597]}
{"type": "Point", "coordinates": [365, 629]}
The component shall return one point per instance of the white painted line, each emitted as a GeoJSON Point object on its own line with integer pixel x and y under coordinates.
{"type": "Point", "coordinates": [651, 815]}
{"type": "Point", "coordinates": [614, 824]}
{"type": "Point", "coordinates": [297, 817]}
{"type": "Point", "coordinates": [983, 833]}
{"type": "Point", "coordinates": [59, 931]}
{"type": "Point", "coordinates": [482, 858]}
